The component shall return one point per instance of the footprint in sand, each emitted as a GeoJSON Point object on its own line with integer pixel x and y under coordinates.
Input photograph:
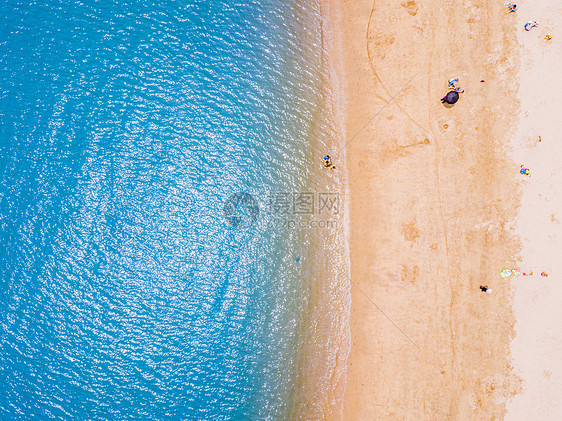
{"type": "Point", "coordinates": [411, 6]}
{"type": "Point", "coordinates": [410, 232]}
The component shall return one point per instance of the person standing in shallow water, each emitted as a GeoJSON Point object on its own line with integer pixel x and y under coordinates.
{"type": "Point", "coordinates": [327, 162]}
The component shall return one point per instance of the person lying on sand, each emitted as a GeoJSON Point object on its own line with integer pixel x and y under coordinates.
{"type": "Point", "coordinates": [530, 25]}
{"type": "Point", "coordinates": [512, 7]}
{"type": "Point", "coordinates": [485, 288]}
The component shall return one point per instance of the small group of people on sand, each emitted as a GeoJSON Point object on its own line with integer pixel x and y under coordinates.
{"type": "Point", "coordinates": [512, 7]}
{"type": "Point", "coordinates": [453, 95]}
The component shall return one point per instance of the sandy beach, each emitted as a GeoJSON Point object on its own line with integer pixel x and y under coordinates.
{"type": "Point", "coordinates": [537, 345]}
{"type": "Point", "coordinates": [438, 208]}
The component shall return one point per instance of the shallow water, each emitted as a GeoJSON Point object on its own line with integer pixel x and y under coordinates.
{"type": "Point", "coordinates": [126, 127]}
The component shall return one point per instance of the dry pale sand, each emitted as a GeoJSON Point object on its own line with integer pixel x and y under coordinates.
{"type": "Point", "coordinates": [537, 303]}
{"type": "Point", "coordinates": [433, 197]}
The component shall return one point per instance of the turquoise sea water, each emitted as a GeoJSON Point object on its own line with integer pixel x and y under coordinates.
{"type": "Point", "coordinates": [125, 126]}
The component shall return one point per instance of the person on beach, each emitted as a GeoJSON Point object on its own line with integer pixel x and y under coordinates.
{"type": "Point", "coordinates": [548, 37]}
{"type": "Point", "coordinates": [327, 162]}
{"type": "Point", "coordinates": [525, 171]}
{"type": "Point", "coordinates": [454, 84]}
{"type": "Point", "coordinates": [530, 25]}
{"type": "Point", "coordinates": [485, 288]}
{"type": "Point", "coordinates": [512, 7]}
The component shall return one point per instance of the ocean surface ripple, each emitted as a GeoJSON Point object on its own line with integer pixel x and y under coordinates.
{"type": "Point", "coordinates": [126, 125]}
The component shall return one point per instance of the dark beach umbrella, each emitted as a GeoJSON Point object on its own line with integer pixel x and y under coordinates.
{"type": "Point", "coordinates": [451, 97]}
